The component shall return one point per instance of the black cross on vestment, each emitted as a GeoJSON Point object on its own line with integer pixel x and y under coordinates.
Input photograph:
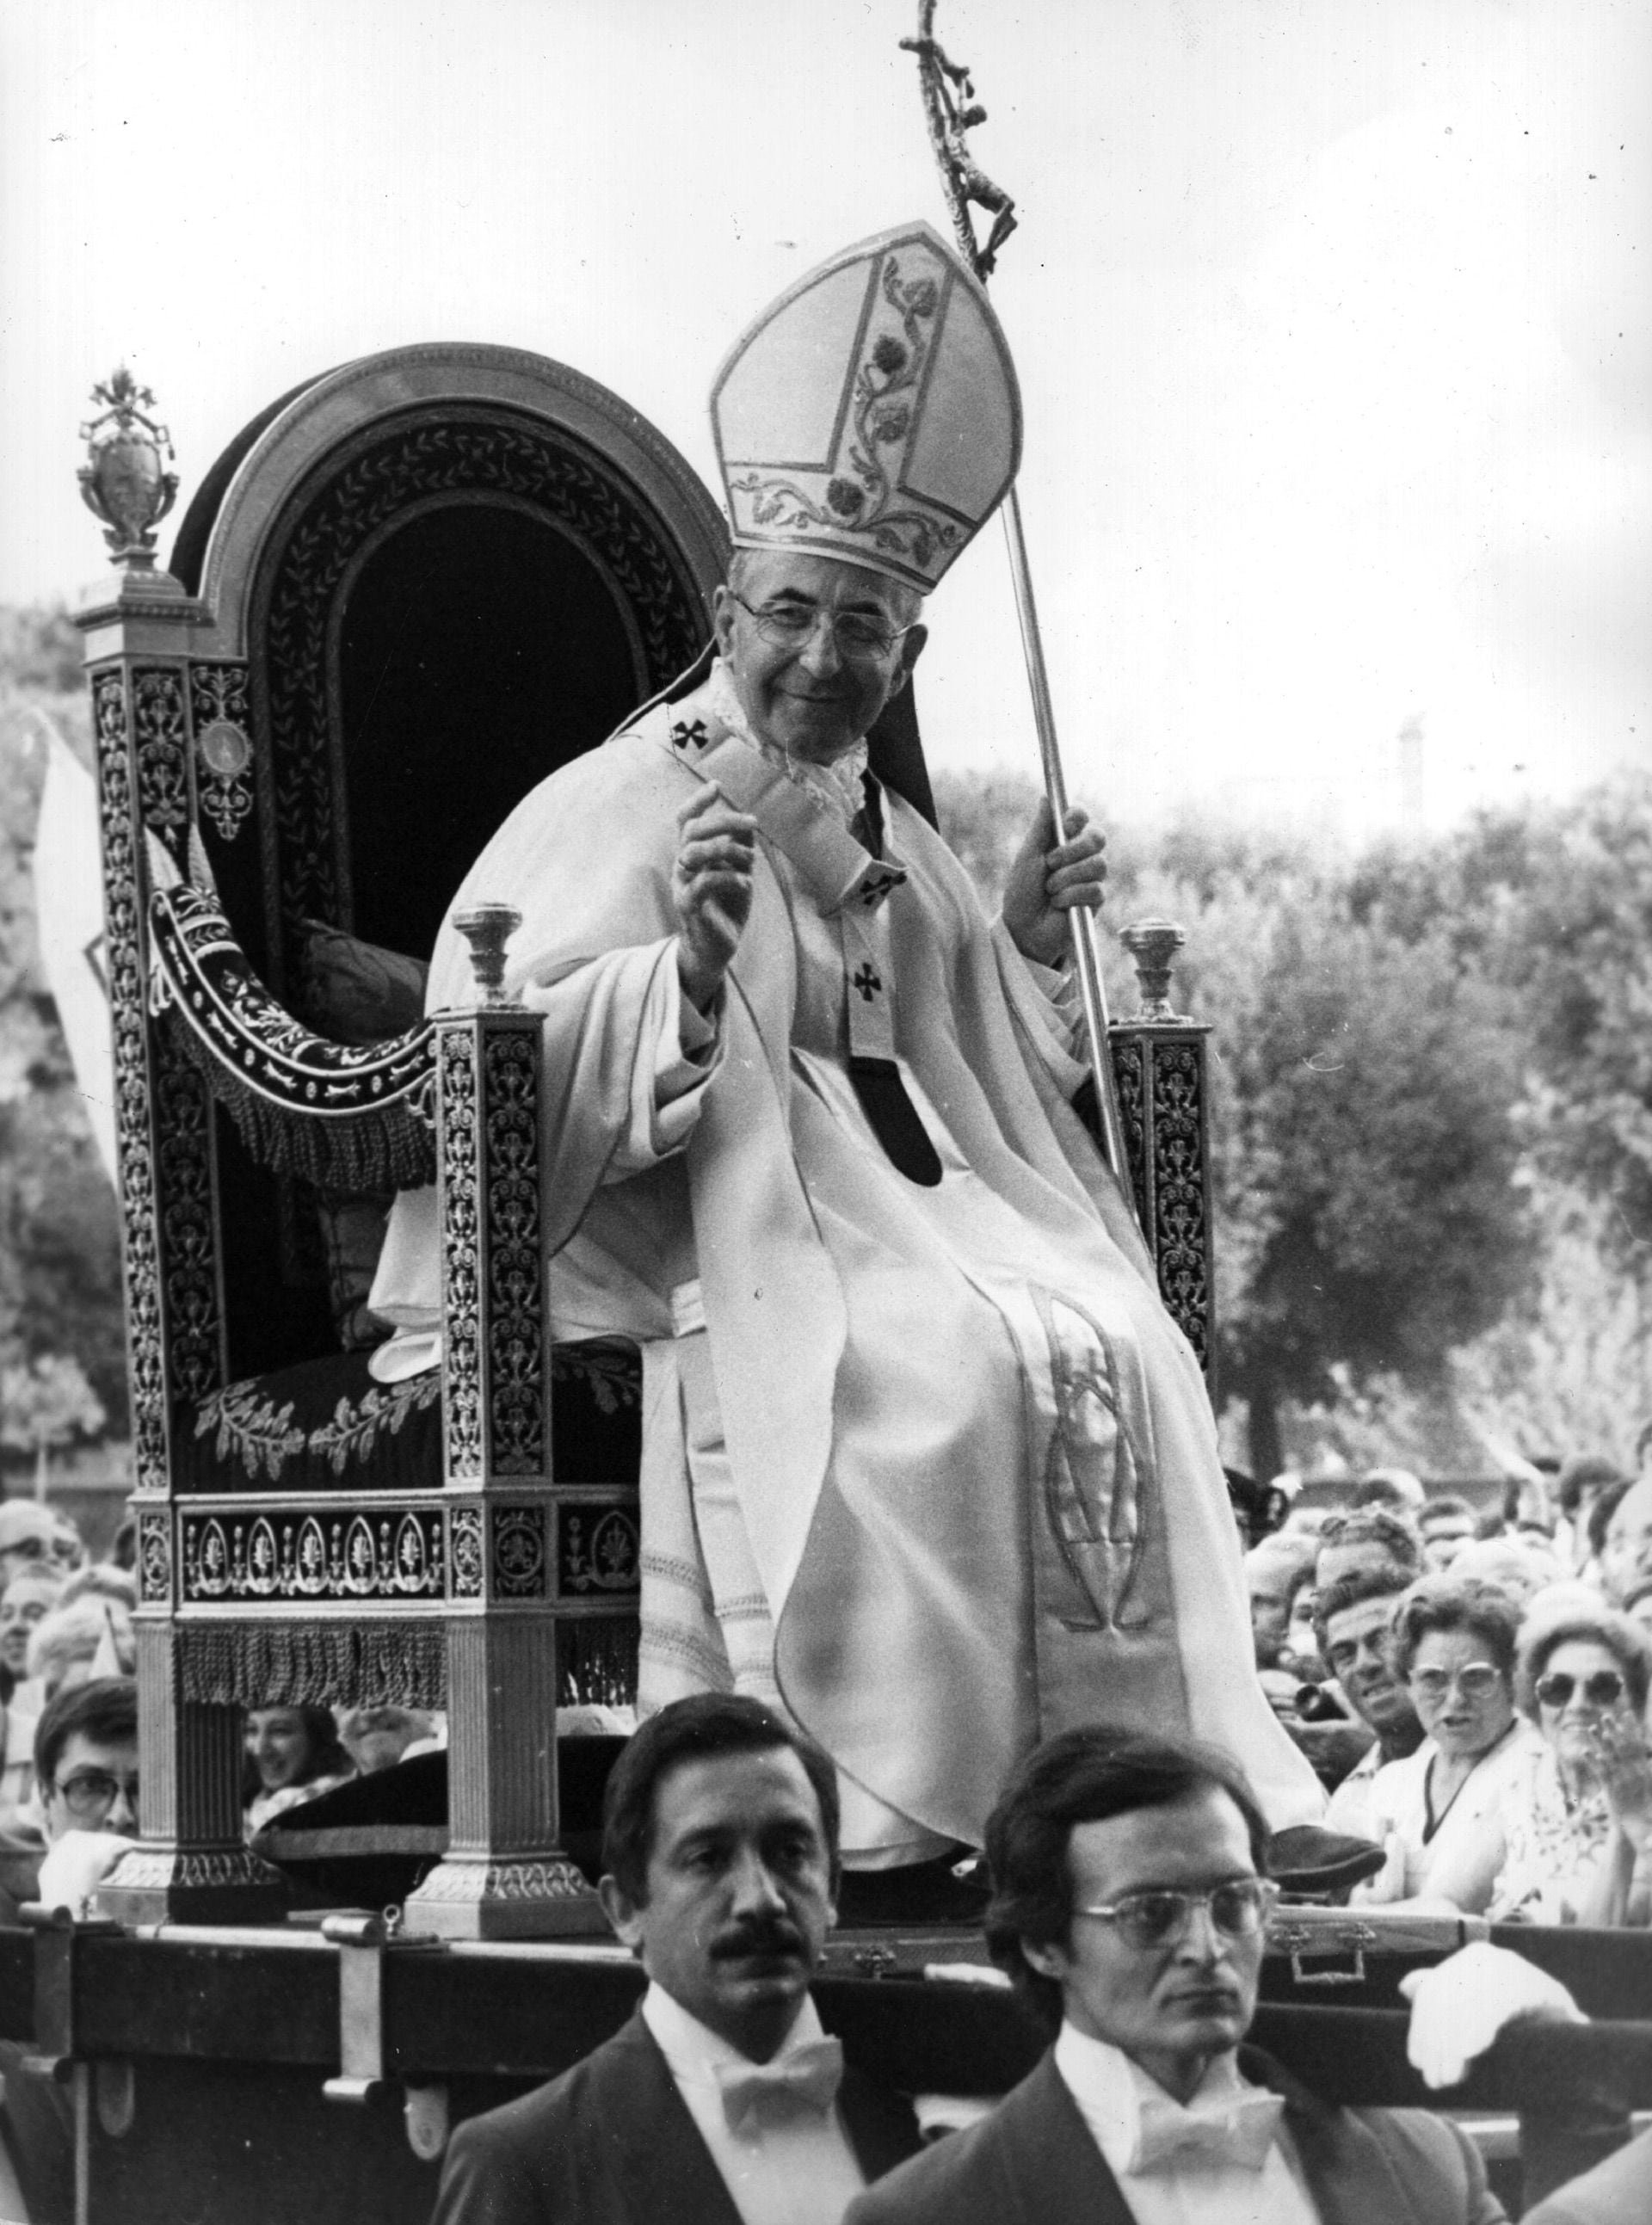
{"type": "Point", "coordinates": [877, 886]}
{"type": "Point", "coordinates": [687, 732]}
{"type": "Point", "coordinates": [866, 981]}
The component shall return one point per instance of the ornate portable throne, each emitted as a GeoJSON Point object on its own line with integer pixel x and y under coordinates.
{"type": "Point", "coordinates": [404, 594]}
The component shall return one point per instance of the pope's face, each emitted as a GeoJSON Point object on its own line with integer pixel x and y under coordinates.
{"type": "Point", "coordinates": [808, 691]}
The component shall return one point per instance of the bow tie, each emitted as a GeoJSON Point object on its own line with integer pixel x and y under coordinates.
{"type": "Point", "coordinates": [803, 2082]}
{"type": "Point", "coordinates": [1233, 2128]}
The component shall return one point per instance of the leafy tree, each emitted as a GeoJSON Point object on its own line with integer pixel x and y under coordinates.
{"type": "Point", "coordinates": [1364, 1151]}
{"type": "Point", "coordinates": [41, 650]}
{"type": "Point", "coordinates": [1366, 1155]}
{"type": "Point", "coordinates": [1569, 1371]}
{"type": "Point", "coordinates": [60, 1297]}
{"type": "Point", "coordinates": [1554, 904]}
{"type": "Point", "coordinates": [44, 1404]}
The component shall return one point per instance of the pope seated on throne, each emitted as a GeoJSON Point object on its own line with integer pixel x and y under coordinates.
{"type": "Point", "coordinates": [925, 1462]}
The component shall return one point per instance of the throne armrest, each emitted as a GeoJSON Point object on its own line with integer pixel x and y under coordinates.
{"type": "Point", "coordinates": [349, 1117]}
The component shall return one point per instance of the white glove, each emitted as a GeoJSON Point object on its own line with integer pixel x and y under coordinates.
{"type": "Point", "coordinates": [1459, 2006]}
{"type": "Point", "coordinates": [76, 1866]}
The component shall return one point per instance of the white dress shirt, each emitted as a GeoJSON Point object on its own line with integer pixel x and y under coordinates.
{"type": "Point", "coordinates": [1109, 2090]}
{"type": "Point", "coordinates": [800, 2171]}
{"type": "Point", "coordinates": [1349, 1807]}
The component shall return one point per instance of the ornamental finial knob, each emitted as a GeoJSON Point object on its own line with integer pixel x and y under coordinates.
{"type": "Point", "coordinates": [125, 480]}
{"type": "Point", "coordinates": [487, 928]}
{"type": "Point", "coordinates": [1153, 944]}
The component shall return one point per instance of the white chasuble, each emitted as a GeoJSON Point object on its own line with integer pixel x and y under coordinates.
{"type": "Point", "coordinates": [925, 1460]}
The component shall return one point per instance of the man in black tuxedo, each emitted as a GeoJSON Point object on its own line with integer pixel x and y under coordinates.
{"type": "Point", "coordinates": [1128, 1908]}
{"type": "Point", "coordinates": [721, 2101]}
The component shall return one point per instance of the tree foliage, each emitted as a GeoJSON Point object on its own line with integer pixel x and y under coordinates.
{"type": "Point", "coordinates": [1364, 1080]}
{"type": "Point", "coordinates": [45, 1403]}
{"type": "Point", "coordinates": [60, 1302]}
{"type": "Point", "coordinates": [1364, 1144]}
{"type": "Point", "coordinates": [1554, 904]}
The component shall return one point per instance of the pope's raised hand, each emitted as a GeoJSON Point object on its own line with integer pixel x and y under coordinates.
{"type": "Point", "coordinates": [711, 887]}
{"type": "Point", "coordinates": [1048, 879]}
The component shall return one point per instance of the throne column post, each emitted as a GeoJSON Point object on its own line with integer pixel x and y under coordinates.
{"type": "Point", "coordinates": [1159, 1057]}
{"type": "Point", "coordinates": [190, 1864]}
{"type": "Point", "coordinates": [504, 1875]}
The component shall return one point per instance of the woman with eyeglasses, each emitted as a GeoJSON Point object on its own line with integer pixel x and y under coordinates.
{"type": "Point", "coordinates": [1437, 1810]}
{"type": "Point", "coordinates": [1577, 1816]}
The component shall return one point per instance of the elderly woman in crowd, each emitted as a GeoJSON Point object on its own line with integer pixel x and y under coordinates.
{"type": "Point", "coordinates": [1454, 1645]}
{"type": "Point", "coordinates": [294, 1754]}
{"type": "Point", "coordinates": [1576, 1815]}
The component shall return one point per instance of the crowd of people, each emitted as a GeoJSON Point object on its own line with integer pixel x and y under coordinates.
{"type": "Point", "coordinates": [65, 1627]}
{"type": "Point", "coordinates": [1471, 1688]}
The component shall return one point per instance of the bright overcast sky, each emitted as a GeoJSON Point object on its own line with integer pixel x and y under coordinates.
{"type": "Point", "coordinates": [1332, 320]}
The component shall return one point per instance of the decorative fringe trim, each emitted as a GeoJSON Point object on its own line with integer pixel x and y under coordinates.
{"type": "Point", "coordinates": [349, 1117]}
{"type": "Point", "coordinates": [349, 1155]}
{"type": "Point", "coordinates": [296, 1664]}
{"type": "Point", "coordinates": [596, 1662]}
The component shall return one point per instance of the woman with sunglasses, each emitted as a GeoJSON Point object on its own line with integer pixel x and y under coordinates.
{"type": "Point", "coordinates": [1578, 1814]}
{"type": "Point", "coordinates": [1438, 1811]}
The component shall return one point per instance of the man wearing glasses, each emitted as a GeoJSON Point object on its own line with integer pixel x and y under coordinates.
{"type": "Point", "coordinates": [85, 1764]}
{"type": "Point", "coordinates": [915, 1421]}
{"type": "Point", "coordinates": [86, 1758]}
{"type": "Point", "coordinates": [1128, 1911]}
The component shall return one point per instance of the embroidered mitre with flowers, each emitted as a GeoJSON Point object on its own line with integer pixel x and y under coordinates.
{"type": "Point", "coordinates": [871, 413]}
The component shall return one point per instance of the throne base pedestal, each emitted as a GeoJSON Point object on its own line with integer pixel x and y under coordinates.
{"type": "Point", "coordinates": [192, 1884]}
{"type": "Point", "coordinates": [506, 1897]}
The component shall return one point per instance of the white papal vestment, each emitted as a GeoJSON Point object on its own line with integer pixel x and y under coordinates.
{"type": "Point", "coordinates": [930, 1464]}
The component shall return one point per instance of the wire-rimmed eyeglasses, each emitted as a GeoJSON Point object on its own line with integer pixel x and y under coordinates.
{"type": "Point", "coordinates": [1159, 1916]}
{"type": "Point", "coordinates": [856, 635]}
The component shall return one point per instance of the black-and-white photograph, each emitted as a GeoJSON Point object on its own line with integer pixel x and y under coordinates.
{"type": "Point", "coordinates": [826, 1112]}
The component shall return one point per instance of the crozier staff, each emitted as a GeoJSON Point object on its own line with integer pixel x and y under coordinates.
{"type": "Point", "coordinates": [915, 1421]}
